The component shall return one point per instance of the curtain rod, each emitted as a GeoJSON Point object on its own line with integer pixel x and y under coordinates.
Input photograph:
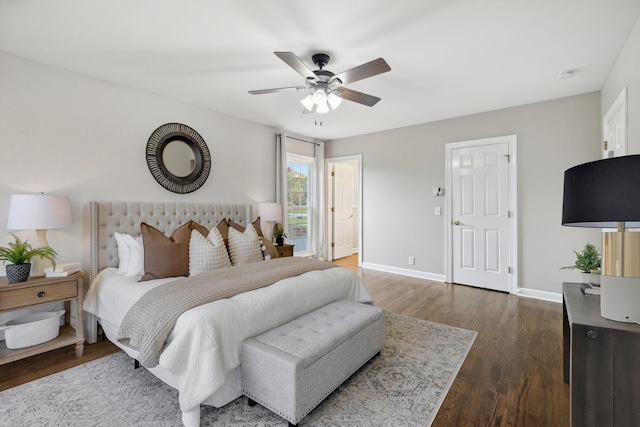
{"type": "Point", "coordinates": [302, 140]}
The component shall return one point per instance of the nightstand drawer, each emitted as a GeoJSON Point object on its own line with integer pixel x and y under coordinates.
{"type": "Point", "coordinates": [17, 298]}
{"type": "Point", "coordinates": [285, 250]}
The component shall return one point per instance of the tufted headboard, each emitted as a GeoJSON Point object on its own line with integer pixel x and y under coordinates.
{"type": "Point", "coordinates": [106, 218]}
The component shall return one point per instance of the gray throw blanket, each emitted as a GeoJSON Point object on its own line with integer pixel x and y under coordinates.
{"type": "Point", "coordinates": [148, 323]}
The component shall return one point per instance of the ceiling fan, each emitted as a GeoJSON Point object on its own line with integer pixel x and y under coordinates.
{"type": "Point", "coordinates": [327, 88]}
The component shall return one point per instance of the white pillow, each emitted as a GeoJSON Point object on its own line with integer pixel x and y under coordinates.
{"type": "Point", "coordinates": [207, 253]}
{"type": "Point", "coordinates": [244, 248]}
{"type": "Point", "coordinates": [123, 253]}
{"type": "Point", "coordinates": [130, 254]}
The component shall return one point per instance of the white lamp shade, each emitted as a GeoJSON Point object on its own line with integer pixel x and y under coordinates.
{"type": "Point", "coordinates": [307, 102]}
{"type": "Point", "coordinates": [270, 211]}
{"type": "Point", "coordinates": [38, 212]}
{"type": "Point", "coordinates": [323, 108]}
{"type": "Point", "coordinates": [319, 97]}
{"type": "Point", "coordinates": [334, 100]}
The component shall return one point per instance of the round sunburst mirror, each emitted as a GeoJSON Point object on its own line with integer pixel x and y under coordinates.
{"type": "Point", "coordinates": [178, 158]}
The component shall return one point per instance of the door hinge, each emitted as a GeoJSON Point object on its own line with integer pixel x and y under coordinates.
{"type": "Point", "coordinates": [606, 145]}
{"type": "Point", "coordinates": [333, 209]}
{"type": "Point", "coordinates": [508, 214]}
{"type": "Point", "coordinates": [509, 270]}
{"type": "Point", "coordinates": [333, 245]}
{"type": "Point", "coordinates": [508, 157]}
{"type": "Point", "coordinates": [333, 173]}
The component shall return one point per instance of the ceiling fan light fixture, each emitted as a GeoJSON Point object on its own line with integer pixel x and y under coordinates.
{"type": "Point", "coordinates": [319, 97]}
{"type": "Point", "coordinates": [307, 102]}
{"type": "Point", "coordinates": [321, 101]}
{"type": "Point", "coordinates": [323, 108]}
{"type": "Point", "coordinates": [334, 100]}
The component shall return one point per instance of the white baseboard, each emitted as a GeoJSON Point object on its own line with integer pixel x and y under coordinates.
{"type": "Point", "coordinates": [521, 292]}
{"type": "Point", "coordinates": [537, 294]}
{"type": "Point", "coordinates": [404, 271]}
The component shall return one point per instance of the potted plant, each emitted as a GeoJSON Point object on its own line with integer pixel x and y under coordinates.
{"type": "Point", "coordinates": [278, 234]}
{"type": "Point", "coordinates": [587, 261]}
{"type": "Point", "coordinates": [19, 254]}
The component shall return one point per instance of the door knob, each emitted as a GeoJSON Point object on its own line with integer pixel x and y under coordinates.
{"type": "Point", "coordinates": [457, 223]}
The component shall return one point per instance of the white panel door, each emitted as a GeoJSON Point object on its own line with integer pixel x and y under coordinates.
{"type": "Point", "coordinates": [342, 210]}
{"type": "Point", "coordinates": [480, 221]}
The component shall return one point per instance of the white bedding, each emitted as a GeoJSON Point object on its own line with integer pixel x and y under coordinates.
{"type": "Point", "coordinates": [204, 346]}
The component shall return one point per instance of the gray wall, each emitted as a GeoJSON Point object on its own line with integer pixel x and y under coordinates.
{"type": "Point", "coordinates": [401, 166]}
{"type": "Point", "coordinates": [68, 134]}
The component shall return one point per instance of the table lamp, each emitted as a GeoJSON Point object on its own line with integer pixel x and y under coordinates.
{"type": "Point", "coordinates": [606, 194]}
{"type": "Point", "coordinates": [269, 212]}
{"type": "Point", "coordinates": [40, 212]}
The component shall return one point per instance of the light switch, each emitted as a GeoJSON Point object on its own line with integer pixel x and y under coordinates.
{"type": "Point", "coordinates": [437, 210]}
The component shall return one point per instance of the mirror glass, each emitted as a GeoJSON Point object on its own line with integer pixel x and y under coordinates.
{"type": "Point", "coordinates": [179, 158]}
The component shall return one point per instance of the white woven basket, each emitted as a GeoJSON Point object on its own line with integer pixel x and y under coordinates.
{"type": "Point", "coordinates": [32, 329]}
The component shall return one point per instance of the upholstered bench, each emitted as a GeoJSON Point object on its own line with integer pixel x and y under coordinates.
{"type": "Point", "coordinates": [292, 368]}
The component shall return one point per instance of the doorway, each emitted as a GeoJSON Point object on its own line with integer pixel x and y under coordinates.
{"type": "Point", "coordinates": [481, 220]}
{"type": "Point", "coordinates": [344, 207]}
{"type": "Point", "coordinates": [614, 128]}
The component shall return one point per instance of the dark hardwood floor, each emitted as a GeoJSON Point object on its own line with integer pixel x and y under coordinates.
{"type": "Point", "coordinates": [513, 373]}
{"type": "Point", "coordinates": [511, 377]}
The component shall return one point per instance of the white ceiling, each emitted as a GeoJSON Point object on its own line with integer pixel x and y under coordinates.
{"type": "Point", "coordinates": [449, 58]}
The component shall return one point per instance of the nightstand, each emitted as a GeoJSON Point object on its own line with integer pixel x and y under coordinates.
{"type": "Point", "coordinates": [285, 250]}
{"type": "Point", "coordinates": [600, 363]}
{"type": "Point", "coordinates": [43, 290]}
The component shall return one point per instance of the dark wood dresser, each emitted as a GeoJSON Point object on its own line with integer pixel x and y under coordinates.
{"type": "Point", "coordinates": [601, 363]}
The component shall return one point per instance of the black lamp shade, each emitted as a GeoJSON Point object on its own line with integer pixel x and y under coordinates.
{"type": "Point", "coordinates": [603, 193]}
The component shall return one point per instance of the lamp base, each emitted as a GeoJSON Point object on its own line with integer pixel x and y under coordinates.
{"type": "Point", "coordinates": [620, 298]}
{"type": "Point", "coordinates": [37, 266]}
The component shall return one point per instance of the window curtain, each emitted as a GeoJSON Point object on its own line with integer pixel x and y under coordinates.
{"type": "Point", "coordinates": [316, 192]}
{"type": "Point", "coordinates": [281, 176]}
{"type": "Point", "coordinates": [317, 230]}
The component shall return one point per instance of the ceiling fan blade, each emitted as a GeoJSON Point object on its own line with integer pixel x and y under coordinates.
{"type": "Point", "coordinates": [294, 62]}
{"type": "Point", "coordinates": [278, 89]}
{"type": "Point", "coordinates": [359, 97]}
{"type": "Point", "coordinates": [370, 69]}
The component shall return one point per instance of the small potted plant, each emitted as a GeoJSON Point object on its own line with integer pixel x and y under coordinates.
{"type": "Point", "coordinates": [19, 254]}
{"type": "Point", "coordinates": [278, 234]}
{"type": "Point", "coordinates": [588, 262]}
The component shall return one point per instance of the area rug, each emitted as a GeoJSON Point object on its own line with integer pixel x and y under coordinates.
{"type": "Point", "coordinates": [403, 386]}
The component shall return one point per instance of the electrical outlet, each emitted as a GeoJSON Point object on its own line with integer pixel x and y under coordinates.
{"type": "Point", "coordinates": [412, 261]}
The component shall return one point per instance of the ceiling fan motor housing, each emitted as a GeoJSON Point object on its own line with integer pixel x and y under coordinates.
{"type": "Point", "coordinates": [321, 59]}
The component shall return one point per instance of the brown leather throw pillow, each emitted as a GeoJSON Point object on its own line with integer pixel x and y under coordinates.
{"type": "Point", "coordinates": [167, 256]}
{"type": "Point", "coordinates": [223, 228]}
{"type": "Point", "coordinates": [240, 228]}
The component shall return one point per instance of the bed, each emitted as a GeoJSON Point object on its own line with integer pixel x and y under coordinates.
{"type": "Point", "coordinates": [201, 355]}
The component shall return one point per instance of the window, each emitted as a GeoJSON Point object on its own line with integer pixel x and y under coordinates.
{"type": "Point", "coordinates": [299, 209]}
